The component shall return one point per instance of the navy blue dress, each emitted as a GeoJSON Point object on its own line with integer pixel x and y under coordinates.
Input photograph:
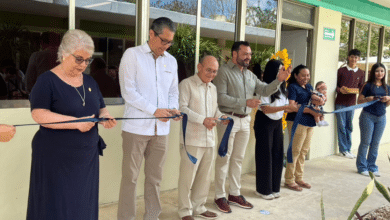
{"type": "Point", "coordinates": [64, 180]}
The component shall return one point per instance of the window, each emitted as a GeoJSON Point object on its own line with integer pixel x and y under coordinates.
{"type": "Point", "coordinates": [219, 27]}
{"type": "Point", "coordinates": [182, 6]}
{"type": "Point", "coordinates": [112, 27]}
{"type": "Point", "coordinates": [361, 42]}
{"type": "Point", "coordinates": [374, 44]}
{"type": "Point", "coordinates": [27, 28]}
{"type": "Point", "coordinates": [260, 32]}
{"type": "Point", "coordinates": [220, 10]}
{"type": "Point", "coordinates": [386, 53]}
{"type": "Point", "coordinates": [344, 39]}
{"type": "Point", "coordinates": [295, 12]}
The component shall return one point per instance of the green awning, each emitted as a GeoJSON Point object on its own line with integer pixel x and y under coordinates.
{"type": "Point", "coordinates": [361, 9]}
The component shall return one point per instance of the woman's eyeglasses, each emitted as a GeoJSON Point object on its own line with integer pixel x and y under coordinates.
{"type": "Point", "coordinates": [80, 60]}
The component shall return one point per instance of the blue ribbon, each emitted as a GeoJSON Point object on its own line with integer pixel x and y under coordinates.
{"type": "Point", "coordinates": [222, 149]}
{"type": "Point", "coordinates": [299, 115]}
{"type": "Point", "coordinates": [294, 127]}
{"type": "Point", "coordinates": [184, 127]}
{"type": "Point", "coordinates": [223, 146]}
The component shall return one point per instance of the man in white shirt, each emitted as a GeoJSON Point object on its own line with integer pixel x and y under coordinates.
{"type": "Point", "coordinates": [198, 99]}
{"type": "Point", "coordinates": [149, 85]}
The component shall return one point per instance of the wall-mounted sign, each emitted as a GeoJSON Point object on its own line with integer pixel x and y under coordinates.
{"type": "Point", "coordinates": [329, 34]}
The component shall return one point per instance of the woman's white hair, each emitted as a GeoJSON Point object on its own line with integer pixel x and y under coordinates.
{"type": "Point", "coordinates": [75, 40]}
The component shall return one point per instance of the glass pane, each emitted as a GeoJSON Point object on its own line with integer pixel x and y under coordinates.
{"type": "Point", "coordinates": [262, 13]}
{"type": "Point", "coordinates": [260, 32]}
{"type": "Point", "coordinates": [182, 6]}
{"type": "Point", "coordinates": [361, 40]}
{"type": "Point", "coordinates": [28, 29]}
{"type": "Point", "coordinates": [344, 40]}
{"type": "Point", "coordinates": [386, 53]}
{"type": "Point", "coordinates": [220, 10]}
{"type": "Point", "coordinates": [111, 25]}
{"type": "Point", "coordinates": [299, 13]}
{"type": "Point", "coordinates": [183, 13]}
{"type": "Point", "coordinates": [373, 47]}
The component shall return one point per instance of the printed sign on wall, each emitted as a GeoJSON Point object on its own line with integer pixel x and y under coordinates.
{"type": "Point", "coordinates": [329, 34]}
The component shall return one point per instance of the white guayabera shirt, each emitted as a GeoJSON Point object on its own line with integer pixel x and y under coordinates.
{"type": "Point", "coordinates": [147, 84]}
{"type": "Point", "coordinates": [199, 101]}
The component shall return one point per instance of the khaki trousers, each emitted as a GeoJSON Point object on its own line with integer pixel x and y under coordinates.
{"type": "Point", "coordinates": [232, 162]}
{"type": "Point", "coordinates": [300, 147]}
{"type": "Point", "coordinates": [194, 180]}
{"type": "Point", "coordinates": [135, 148]}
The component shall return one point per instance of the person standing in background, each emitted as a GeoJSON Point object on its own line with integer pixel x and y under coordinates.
{"type": "Point", "coordinates": [350, 80]}
{"type": "Point", "coordinates": [44, 60]}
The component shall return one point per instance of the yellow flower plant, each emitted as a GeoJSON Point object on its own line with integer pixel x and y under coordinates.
{"type": "Point", "coordinates": [283, 55]}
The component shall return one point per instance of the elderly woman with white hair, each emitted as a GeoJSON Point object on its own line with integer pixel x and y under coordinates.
{"type": "Point", "coordinates": [64, 180]}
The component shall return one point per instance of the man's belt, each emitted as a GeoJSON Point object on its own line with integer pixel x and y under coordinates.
{"type": "Point", "coordinates": [234, 114]}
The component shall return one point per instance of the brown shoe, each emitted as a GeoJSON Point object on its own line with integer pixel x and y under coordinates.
{"type": "Point", "coordinates": [304, 185]}
{"type": "Point", "coordinates": [207, 215]}
{"type": "Point", "coordinates": [240, 201]}
{"type": "Point", "coordinates": [293, 186]}
{"type": "Point", "coordinates": [188, 217]}
{"type": "Point", "coordinates": [223, 205]}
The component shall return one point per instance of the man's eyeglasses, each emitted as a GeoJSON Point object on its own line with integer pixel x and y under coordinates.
{"type": "Point", "coordinates": [164, 42]}
{"type": "Point", "coordinates": [80, 60]}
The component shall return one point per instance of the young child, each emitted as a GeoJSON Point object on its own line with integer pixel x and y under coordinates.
{"type": "Point", "coordinates": [319, 97]}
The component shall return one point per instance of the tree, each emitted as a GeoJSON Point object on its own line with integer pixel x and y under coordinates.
{"type": "Point", "coordinates": [130, 1]}
{"type": "Point", "coordinates": [184, 49]}
{"type": "Point", "coordinates": [344, 36]}
{"type": "Point", "coordinates": [386, 49]}
{"type": "Point", "coordinates": [262, 16]}
{"type": "Point", "coordinates": [361, 39]}
{"type": "Point", "coordinates": [185, 7]}
{"type": "Point", "coordinates": [215, 8]}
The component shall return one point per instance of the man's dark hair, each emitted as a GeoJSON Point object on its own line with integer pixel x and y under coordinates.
{"type": "Point", "coordinates": [50, 38]}
{"type": "Point", "coordinates": [354, 52]}
{"type": "Point", "coordinates": [237, 44]}
{"type": "Point", "coordinates": [160, 23]}
{"type": "Point", "coordinates": [271, 72]}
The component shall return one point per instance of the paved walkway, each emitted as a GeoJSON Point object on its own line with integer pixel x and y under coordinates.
{"type": "Point", "coordinates": [334, 175]}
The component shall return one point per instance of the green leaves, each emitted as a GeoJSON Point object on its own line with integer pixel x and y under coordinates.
{"type": "Point", "coordinates": [381, 188]}
{"type": "Point", "coordinates": [185, 45]}
{"type": "Point", "coordinates": [367, 192]}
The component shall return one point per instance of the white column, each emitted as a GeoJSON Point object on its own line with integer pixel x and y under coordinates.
{"type": "Point", "coordinates": [72, 14]}
{"type": "Point", "coordinates": [142, 22]}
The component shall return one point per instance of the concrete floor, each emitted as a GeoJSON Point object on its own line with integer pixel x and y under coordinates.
{"type": "Point", "coordinates": [335, 176]}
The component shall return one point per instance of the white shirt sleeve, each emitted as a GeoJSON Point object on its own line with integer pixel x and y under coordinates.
{"type": "Point", "coordinates": [128, 83]}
